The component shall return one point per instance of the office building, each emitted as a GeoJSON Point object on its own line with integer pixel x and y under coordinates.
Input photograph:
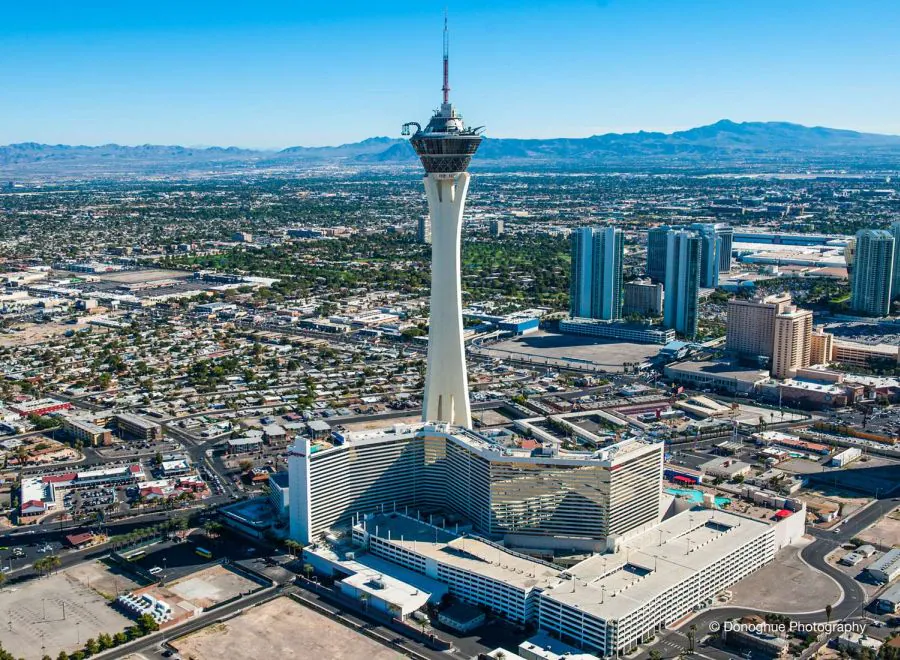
{"type": "Point", "coordinates": [821, 347]}
{"type": "Point", "coordinates": [682, 282]}
{"type": "Point", "coordinates": [596, 283]}
{"type": "Point", "coordinates": [644, 298]}
{"type": "Point", "coordinates": [445, 146]}
{"type": "Point", "coordinates": [496, 228]}
{"type": "Point", "coordinates": [873, 272]}
{"type": "Point", "coordinates": [423, 230]}
{"type": "Point", "coordinates": [506, 492]}
{"type": "Point", "coordinates": [791, 347]}
{"type": "Point", "coordinates": [657, 246]}
{"type": "Point", "coordinates": [750, 329]}
{"type": "Point", "coordinates": [709, 254]}
{"type": "Point", "coordinates": [138, 427]}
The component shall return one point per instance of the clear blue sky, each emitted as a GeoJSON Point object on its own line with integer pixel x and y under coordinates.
{"type": "Point", "coordinates": [267, 73]}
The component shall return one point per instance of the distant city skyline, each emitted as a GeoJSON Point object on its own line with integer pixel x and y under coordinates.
{"type": "Point", "coordinates": [273, 74]}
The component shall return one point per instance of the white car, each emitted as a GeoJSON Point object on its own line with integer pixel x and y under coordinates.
{"type": "Point", "coordinates": [155, 570]}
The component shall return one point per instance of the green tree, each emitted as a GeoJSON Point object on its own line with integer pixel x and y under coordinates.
{"type": "Point", "coordinates": [105, 640]}
{"type": "Point", "coordinates": [147, 623]}
{"type": "Point", "coordinates": [92, 646]}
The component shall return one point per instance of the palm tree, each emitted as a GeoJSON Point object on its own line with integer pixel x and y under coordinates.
{"type": "Point", "coordinates": [308, 569]}
{"type": "Point", "coordinates": [655, 655]}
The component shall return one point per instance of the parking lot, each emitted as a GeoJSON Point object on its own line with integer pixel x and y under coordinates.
{"type": "Point", "coordinates": [60, 612]}
{"type": "Point", "coordinates": [605, 354]}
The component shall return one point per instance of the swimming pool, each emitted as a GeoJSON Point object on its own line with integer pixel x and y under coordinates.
{"type": "Point", "coordinates": [696, 496]}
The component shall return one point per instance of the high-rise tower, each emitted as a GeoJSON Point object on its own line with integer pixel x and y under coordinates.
{"type": "Point", "coordinates": [445, 147]}
{"type": "Point", "coordinates": [596, 283]}
{"type": "Point", "coordinates": [873, 272]}
{"type": "Point", "coordinates": [682, 282]}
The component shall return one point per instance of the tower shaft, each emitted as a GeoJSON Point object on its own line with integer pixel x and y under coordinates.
{"type": "Point", "coordinates": [446, 384]}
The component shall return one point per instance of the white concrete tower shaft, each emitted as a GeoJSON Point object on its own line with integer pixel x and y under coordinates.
{"type": "Point", "coordinates": [446, 383]}
{"type": "Point", "coordinates": [446, 146]}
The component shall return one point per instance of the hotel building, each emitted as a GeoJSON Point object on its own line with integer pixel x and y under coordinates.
{"type": "Point", "coordinates": [505, 492]}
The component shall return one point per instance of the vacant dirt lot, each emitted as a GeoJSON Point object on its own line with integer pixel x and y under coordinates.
{"type": "Point", "coordinates": [280, 628]}
{"type": "Point", "coordinates": [786, 585]}
{"type": "Point", "coordinates": [105, 580]}
{"type": "Point", "coordinates": [884, 533]}
{"type": "Point", "coordinates": [211, 586]}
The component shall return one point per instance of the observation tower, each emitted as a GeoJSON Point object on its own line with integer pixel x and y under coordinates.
{"type": "Point", "coordinates": [445, 147]}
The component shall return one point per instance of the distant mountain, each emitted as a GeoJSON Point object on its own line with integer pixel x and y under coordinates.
{"type": "Point", "coordinates": [722, 145]}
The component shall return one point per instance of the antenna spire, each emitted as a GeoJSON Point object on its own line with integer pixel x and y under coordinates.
{"type": "Point", "coordinates": [446, 87]}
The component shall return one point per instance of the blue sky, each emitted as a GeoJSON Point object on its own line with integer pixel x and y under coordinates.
{"type": "Point", "coordinates": [268, 73]}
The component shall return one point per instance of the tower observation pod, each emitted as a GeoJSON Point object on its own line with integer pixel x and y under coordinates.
{"type": "Point", "coordinates": [445, 147]}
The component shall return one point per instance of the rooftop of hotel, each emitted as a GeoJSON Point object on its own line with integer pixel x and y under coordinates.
{"type": "Point", "coordinates": [368, 566]}
{"type": "Point", "coordinates": [497, 445]}
{"type": "Point", "coordinates": [611, 585]}
{"type": "Point", "coordinates": [463, 552]}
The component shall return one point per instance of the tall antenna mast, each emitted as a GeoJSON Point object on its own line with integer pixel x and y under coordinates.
{"type": "Point", "coordinates": [446, 87]}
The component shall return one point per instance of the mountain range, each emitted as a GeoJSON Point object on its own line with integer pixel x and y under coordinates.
{"type": "Point", "coordinates": [720, 146]}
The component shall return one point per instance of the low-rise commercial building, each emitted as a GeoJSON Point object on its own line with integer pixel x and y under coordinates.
{"type": "Point", "coordinates": [845, 457]}
{"type": "Point", "coordinates": [138, 427]}
{"type": "Point", "coordinates": [248, 445]}
{"type": "Point", "coordinates": [723, 376]}
{"type": "Point", "coordinates": [39, 407]}
{"type": "Point", "coordinates": [886, 568]}
{"type": "Point", "coordinates": [863, 355]}
{"type": "Point", "coordinates": [87, 432]}
{"type": "Point", "coordinates": [889, 600]}
{"type": "Point", "coordinates": [633, 332]}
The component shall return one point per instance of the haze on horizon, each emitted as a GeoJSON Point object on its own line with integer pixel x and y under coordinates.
{"type": "Point", "coordinates": [273, 74]}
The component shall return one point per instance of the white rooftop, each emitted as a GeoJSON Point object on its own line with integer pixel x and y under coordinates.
{"type": "Point", "coordinates": [610, 586]}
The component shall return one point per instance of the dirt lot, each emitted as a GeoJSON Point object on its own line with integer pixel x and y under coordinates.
{"type": "Point", "coordinates": [107, 581]}
{"type": "Point", "coordinates": [786, 585]}
{"type": "Point", "coordinates": [280, 628]}
{"type": "Point", "coordinates": [490, 417]}
{"type": "Point", "coordinates": [211, 586]}
{"type": "Point", "coordinates": [886, 532]}
{"type": "Point", "coordinates": [55, 612]}
{"type": "Point", "coordinates": [382, 423]}
{"type": "Point", "coordinates": [38, 333]}
{"type": "Point", "coordinates": [836, 497]}
{"type": "Point", "coordinates": [202, 589]}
